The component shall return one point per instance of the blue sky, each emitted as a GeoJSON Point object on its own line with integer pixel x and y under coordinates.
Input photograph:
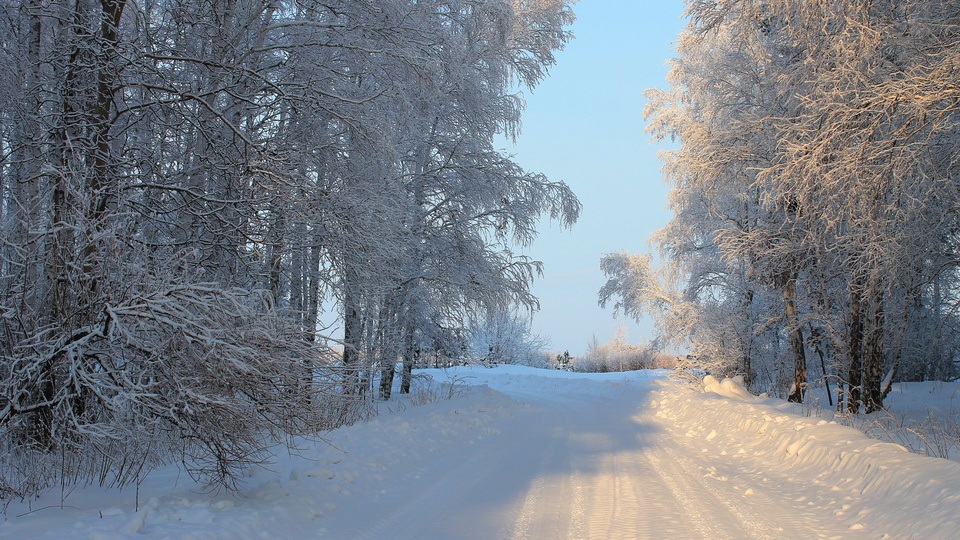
{"type": "Point", "coordinates": [584, 125]}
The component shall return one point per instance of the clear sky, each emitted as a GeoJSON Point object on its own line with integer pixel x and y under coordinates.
{"type": "Point", "coordinates": [584, 125]}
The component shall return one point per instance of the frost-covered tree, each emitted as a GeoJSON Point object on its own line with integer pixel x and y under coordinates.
{"type": "Point", "coordinates": [618, 355]}
{"type": "Point", "coordinates": [725, 225]}
{"type": "Point", "coordinates": [464, 204]}
{"type": "Point", "coordinates": [880, 159]}
{"type": "Point", "coordinates": [505, 337]}
{"type": "Point", "coordinates": [184, 185]}
{"type": "Point", "coordinates": [812, 188]}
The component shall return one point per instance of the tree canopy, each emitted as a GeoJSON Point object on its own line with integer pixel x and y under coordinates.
{"type": "Point", "coordinates": [186, 186]}
{"type": "Point", "coordinates": [814, 194]}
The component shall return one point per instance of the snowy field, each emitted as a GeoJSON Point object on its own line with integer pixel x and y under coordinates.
{"type": "Point", "coordinates": [522, 453]}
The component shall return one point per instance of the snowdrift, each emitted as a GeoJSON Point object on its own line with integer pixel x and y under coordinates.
{"type": "Point", "coordinates": [911, 496]}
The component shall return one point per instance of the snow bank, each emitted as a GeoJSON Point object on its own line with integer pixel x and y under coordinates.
{"type": "Point", "coordinates": [730, 388]}
{"type": "Point", "coordinates": [289, 497]}
{"type": "Point", "coordinates": [747, 433]}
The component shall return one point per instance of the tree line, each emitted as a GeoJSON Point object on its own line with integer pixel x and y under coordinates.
{"type": "Point", "coordinates": [815, 193]}
{"type": "Point", "coordinates": [185, 186]}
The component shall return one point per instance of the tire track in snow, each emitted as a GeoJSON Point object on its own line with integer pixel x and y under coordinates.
{"type": "Point", "coordinates": [765, 502]}
{"type": "Point", "coordinates": [705, 516]}
{"type": "Point", "coordinates": [446, 499]}
{"type": "Point", "coordinates": [616, 510]}
{"type": "Point", "coordinates": [425, 503]}
{"type": "Point", "coordinates": [529, 520]}
{"type": "Point", "coordinates": [599, 484]}
{"type": "Point", "coordinates": [593, 467]}
{"type": "Point", "coordinates": [649, 515]}
{"type": "Point", "coordinates": [578, 510]}
{"type": "Point", "coordinates": [635, 502]}
{"type": "Point", "coordinates": [626, 486]}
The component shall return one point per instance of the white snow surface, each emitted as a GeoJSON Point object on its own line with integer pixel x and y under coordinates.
{"type": "Point", "coordinates": [525, 453]}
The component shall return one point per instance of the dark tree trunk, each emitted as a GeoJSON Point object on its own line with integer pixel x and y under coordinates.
{"type": "Point", "coordinates": [102, 183]}
{"type": "Point", "coordinates": [799, 389]}
{"type": "Point", "coordinates": [386, 379]}
{"type": "Point", "coordinates": [816, 337]}
{"type": "Point", "coordinates": [855, 352]}
{"type": "Point", "coordinates": [84, 128]}
{"type": "Point", "coordinates": [276, 250]}
{"type": "Point", "coordinates": [312, 291]}
{"type": "Point", "coordinates": [389, 338]}
{"type": "Point", "coordinates": [410, 354]}
{"type": "Point", "coordinates": [41, 428]}
{"type": "Point", "coordinates": [352, 334]}
{"type": "Point", "coordinates": [747, 362]}
{"type": "Point", "coordinates": [873, 356]}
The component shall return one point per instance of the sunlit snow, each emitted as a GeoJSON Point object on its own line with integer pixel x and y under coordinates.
{"type": "Point", "coordinates": [514, 452]}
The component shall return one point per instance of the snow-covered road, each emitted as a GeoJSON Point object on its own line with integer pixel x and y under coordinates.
{"type": "Point", "coordinates": [572, 465]}
{"type": "Point", "coordinates": [592, 459]}
{"type": "Point", "coordinates": [528, 454]}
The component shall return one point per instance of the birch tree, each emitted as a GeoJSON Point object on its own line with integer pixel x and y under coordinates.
{"type": "Point", "coordinates": [879, 190]}
{"type": "Point", "coordinates": [815, 167]}
{"type": "Point", "coordinates": [183, 185]}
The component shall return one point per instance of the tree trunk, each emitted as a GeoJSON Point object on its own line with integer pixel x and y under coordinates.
{"type": "Point", "coordinates": [746, 360]}
{"type": "Point", "coordinates": [387, 371]}
{"type": "Point", "coordinates": [816, 338]}
{"type": "Point", "coordinates": [276, 247]}
{"type": "Point", "coordinates": [873, 355]}
{"type": "Point", "coordinates": [298, 280]}
{"type": "Point", "coordinates": [312, 293]}
{"type": "Point", "coordinates": [102, 184]}
{"type": "Point", "coordinates": [388, 336]}
{"type": "Point", "coordinates": [352, 333]}
{"type": "Point", "coordinates": [410, 353]}
{"type": "Point", "coordinates": [799, 388]}
{"type": "Point", "coordinates": [941, 364]}
{"type": "Point", "coordinates": [855, 352]}
{"type": "Point", "coordinates": [30, 209]}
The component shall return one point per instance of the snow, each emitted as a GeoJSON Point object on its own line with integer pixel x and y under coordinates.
{"type": "Point", "coordinates": [515, 452]}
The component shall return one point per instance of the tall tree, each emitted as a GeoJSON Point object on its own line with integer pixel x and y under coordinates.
{"type": "Point", "coordinates": [183, 185]}
{"type": "Point", "coordinates": [812, 169]}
